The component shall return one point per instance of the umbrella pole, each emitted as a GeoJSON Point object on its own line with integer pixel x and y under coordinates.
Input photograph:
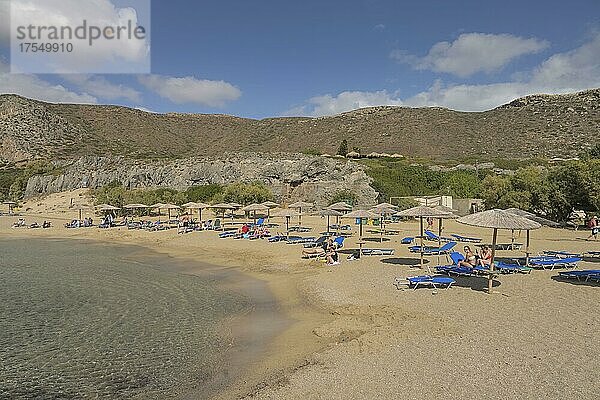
{"type": "Point", "coordinates": [327, 233]}
{"type": "Point", "coordinates": [490, 276]}
{"type": "Point", "coordinates": [440, 239]}
{"type": "Point", "coordinates": [421, 239]}
{"type": "Point", "coordinates": [80, 214]}
{"type": "Point", "coordinates": [287, 227]}
{"type": "Point", "coordinates": [360, 229]}
{"type": "Point", "coordinates": [512, 239]}
{"type": "Point", "coordinates": [527, 250]}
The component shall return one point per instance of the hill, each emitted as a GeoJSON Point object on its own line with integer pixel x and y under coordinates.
{"type": "Point", "coordinates": [533, 126]}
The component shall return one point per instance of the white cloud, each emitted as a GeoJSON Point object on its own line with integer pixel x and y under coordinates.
{"type": "Point", "coordinates": [572, 71]}
{"type": "Point", "coordinates": [102, 88]}
{"type": "Point", "coordinates": [345, 101]}
{"type": "Point", "coordinates": [116, 55]}
{"type": "Point", "coordinates": [379, 27]}
{"type": "Point", "coordinates": [472, 52]}
{"type": "Point", "coordinates": [191, 90]}
{"type": "Point", "coordinates": [33, 87]}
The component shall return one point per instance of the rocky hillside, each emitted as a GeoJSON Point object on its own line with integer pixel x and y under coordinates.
{"type": "Point", "coordinates": [540, 125]}
{"type": "Point", "coordinates": [290, 177]}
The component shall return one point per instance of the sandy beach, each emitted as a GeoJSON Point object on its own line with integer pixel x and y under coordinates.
{"type": "Point", "coordinates": [354, 335]}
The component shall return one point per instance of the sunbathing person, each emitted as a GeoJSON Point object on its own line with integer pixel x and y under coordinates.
{"type": "Point", "coordinates": [485, 257]}
{"type": "Point", "coordinates": [470, 258]}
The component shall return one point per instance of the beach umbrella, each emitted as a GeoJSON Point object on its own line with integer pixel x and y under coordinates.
{"type": "Point", "coordinates": [300, 205]}
{"type": "Point", "coordinates": [329, 213]}
{"type": "Point", "coordinates": [235, 206]}
{"type": "Point", "coordinates": [421, 212]}
{"type": "Point", "coordinates": [360, 214]}
{"type": "Point", "coordinates": [270, 204]}
{"type": "Point", "coordinates": [540, 220]}
{"type": "Point", "coordinates": [196, 206]}
{"type": "Point", "coordinates": [498, 219]}
{"type": "Point", "coordinates": [383, 211]}
{"type": "Point", "coordinates": [80, 208]}
{"type": "Point", "coordinates": [287, 214]}
{"type": "Point", "coordinates": [170, 207]}
{"type": "Point", "coordinates": [341, 206]}
{"type": "Point", "coordinates": [10, 205]}
{"type": "Point", "coordinates": [254, 208]}
{"type": "Point", "coordinates": [386, 205]}
{"type": "Point", "coordinates": [222, 207]}
{"type": "Point", "coordinates": [134, 206]}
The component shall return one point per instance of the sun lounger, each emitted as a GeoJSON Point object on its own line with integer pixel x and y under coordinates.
{"type": "Point", "coordinates": [512, 268]}
{"type": "Point", "coordinates": [429, 235]}
{"type": "Point", "coordinates": [585, 275]}
{"type": "Point", "coordinates": [407, 240]}
{"type": "Point", "coordinates": [377, 252]}
{"type": "Point", "coordinates": [227, 234]}
{"type": "Point", "coordinates": [300, 240]}
{"type": "Point", "coordinates": [299, 229]}
{"type": "Point", "coordinates": [278, 238]}
{"type": "Point", "coordinates": [569, 262]}
{"type": "Point", "coordinates": [593, 254]}
{"type": "Point", "coordinates": [467, 239]}
{"type": "Point", "coordinates": [560, 254]}
{"type": "Point", "coordinates": [433, 251]}
{"type": "Point", "coordinates": [316, 243]}
{"type": "Point", "coordinates": [415, 282]}
{"type": "Point", "coordinates": [341, 227]}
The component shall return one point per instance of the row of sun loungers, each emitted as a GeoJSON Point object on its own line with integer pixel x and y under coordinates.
{"type": "Point", "coordinates": [433, 251]}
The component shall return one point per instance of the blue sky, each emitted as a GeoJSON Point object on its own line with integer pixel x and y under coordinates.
{"type": "Point", "coordinates": [267, 58]}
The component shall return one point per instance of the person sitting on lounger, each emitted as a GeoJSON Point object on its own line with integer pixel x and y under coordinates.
{"type": "Point", "coordinates": [485, 257]}
{"type": "Point", "coordinates": [470, 258]}
{"type": "Point", "coordinates": [333, 257]}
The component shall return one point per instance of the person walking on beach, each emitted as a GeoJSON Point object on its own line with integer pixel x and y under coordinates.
{"type": "Point", "coordinates": [593, 225]}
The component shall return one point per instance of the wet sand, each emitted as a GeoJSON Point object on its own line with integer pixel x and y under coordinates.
{"type": "Point", "coordinates": [354, 335]}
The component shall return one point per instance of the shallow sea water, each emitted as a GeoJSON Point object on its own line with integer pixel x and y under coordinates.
{"type": "Point", "coordinates": [85, 320]}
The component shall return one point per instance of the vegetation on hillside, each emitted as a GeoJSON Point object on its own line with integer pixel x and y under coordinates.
{"type": "Point", "coordinates": [243, 193]}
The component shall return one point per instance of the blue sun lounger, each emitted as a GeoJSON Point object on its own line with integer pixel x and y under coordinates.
{"type": "Point", "coordinates": [433, 251]}
{"type": "Point", "coordinates": [407, 240]}
{"type": "Point", "coordinates": [593, 254]}
{"type": "Point", "coordinates": [511, 268]}
{"type": "Point", "coordinates": [569, 262]}
{"type": "Point", "coordinates": [466, 239]}
{"type": "Point", "coordinates": [585, 275]}
{"type": "Point", "coordinates": [415, 282]}
{"type": "Point", "coordinates": [432, 236]}
{"type": "Point", "coordinates": [300, 240]}
{"type": "Point", "coordinates": [559, 254]}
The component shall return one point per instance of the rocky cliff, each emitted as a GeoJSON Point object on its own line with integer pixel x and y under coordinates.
{"type": "Point", "coordinates": [290, 177]}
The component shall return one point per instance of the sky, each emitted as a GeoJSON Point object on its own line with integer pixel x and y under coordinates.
{"type": "Point", "coordinates": [270, 58]}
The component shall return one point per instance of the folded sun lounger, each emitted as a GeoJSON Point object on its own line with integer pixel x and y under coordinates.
{"type": "Point", "coordinates": [432, 236]}
{"type": "Point", "coordinates": [585, 275]}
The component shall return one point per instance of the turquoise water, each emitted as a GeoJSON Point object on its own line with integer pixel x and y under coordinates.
{"type": "Point", "coordinates": [83, 320]}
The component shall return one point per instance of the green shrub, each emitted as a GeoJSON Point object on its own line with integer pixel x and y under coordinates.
{"type": "Point", "coordinates": [346, 196]}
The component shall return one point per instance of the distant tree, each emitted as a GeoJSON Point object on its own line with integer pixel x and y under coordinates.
{"type": "Point", "coordinates": [343, 149]}
{"type": "Point", "coordinates": [356, 149]}
{"type": "Point", "coordinates": [203, 193]}
{"type": "Point", "coordinates": [247, 193]}
{"type": "Point", "coordinates": [346, 196]}
{"type": "Point", "coordinates": [312, 152]}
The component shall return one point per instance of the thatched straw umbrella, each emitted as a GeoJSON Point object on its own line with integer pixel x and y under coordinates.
{"type": "Point", "coordinates": [170, 207]}
{"type": "Point", "coordinates": [10, 205]}
{"type": "Point", "coordinates": [540, 220]}
{"type": "Point", "coordinates": [361, 214]}
{"type": "Point", "coordinates": [341, 206]}
{"type": "Point", "coordinates": [287, 214]}
{"type": "Point", "coordinates": [421, 212]}
{"type": "Point", "coordinates": [80, 208]}
{"type": "Point", "coordinates": [300, 205]}
{"type": "Point", "coordinates": [386, 205]}
{"type": "Point", "coordinates": [383, 211]}
{"type": "Point", "coordinates": [499, 219]}
{"type": "Point", "coordinates": [196, 206]}
{"type": "Point", "coordinates": [329, 213]}
{"type": "Point", "coordinates": [134, 206]}
{"type": "Point", "coordinates": [254, 208]}
{"type": "Point", "coordinates": [271, 205]}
